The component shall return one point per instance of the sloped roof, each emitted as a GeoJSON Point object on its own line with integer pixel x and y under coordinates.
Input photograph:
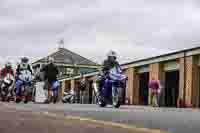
{"type": "Point", "coordinates": [65, 56]}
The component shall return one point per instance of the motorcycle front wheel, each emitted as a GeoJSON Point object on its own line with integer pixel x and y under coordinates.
{"type": "Point", "coordinates": [101, 102]}
{"type": "Point", "coordinates": [18, 100]}
{"type": "Point", "coordinates": [26, 95]}
{"type": "Point", "coordinates": [63, 101]}
{"type": "Point", "coordinates": [26, 99]}
{"type": "Point", "coordinates": [116, 99]}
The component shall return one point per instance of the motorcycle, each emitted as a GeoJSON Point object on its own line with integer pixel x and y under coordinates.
{"type": "Point", "coordinates": [7, 87]}
{"type": "Point", "coordinates": [110, 88]}
{"type": "Point", "coordinates": [26, 89]}
{"type": "Point", "coordinates": [68, 97]}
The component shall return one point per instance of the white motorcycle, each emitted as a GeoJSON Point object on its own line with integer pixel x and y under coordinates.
{"type": "Point", "coordinates": [27, 87]}
{"type": "Point", "coordinates": [7, 87]}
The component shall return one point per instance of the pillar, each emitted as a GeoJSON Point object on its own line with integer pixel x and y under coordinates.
{"type": "Point", "coordinates": [189, 83]}
{"type": "Point", "coordinates": [132, 86]}
{"type": "Point", "coordinates": [181, 78]}
{"type": "Point", "coordinates": [73, 84]}
{"type": "Point", "coordinates": [195, 82]}
{"type": "Point", "coordinates": [63, 88]}
{"type": "Point", "coordinates": [156, 71]}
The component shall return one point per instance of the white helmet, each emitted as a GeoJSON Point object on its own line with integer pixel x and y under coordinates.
{"type": "Point", "coordinates": [51, 60]}
{"type": "Point", "coordinates": [112, 54]}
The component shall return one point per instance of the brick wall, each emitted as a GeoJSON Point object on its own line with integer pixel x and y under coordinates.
{"type": "Point", "coordinates": [156, 71]}
{"type": "Point", "coordinates": [191, 80]}
{"type": "Point", "coordinates": [181, 78]}
{"type": "Point", "coordinates": [132, 92]}
{"type": "Point", "coordinates": [189, 74]}
{"type": "Point", "coordinates": [63, 85]}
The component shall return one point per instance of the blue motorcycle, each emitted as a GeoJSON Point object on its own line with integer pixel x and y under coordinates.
{"type": "Point", "coordinates": [24, 86]}
{"type": "Point", "coordinates": [109, 90]}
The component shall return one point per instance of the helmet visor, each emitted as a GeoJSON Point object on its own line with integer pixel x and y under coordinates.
{"type": "Point", "coordinates": [25, 60]}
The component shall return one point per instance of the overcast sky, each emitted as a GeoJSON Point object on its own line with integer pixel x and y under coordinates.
{"type": "Point", "coordinates": [134, 28]}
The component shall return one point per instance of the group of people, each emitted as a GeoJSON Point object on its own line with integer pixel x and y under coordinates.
{"type": "Point", "coordinates": [50, 71]}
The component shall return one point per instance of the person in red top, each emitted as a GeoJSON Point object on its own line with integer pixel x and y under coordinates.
{"type": "Point", "coordinates": [7, 69]}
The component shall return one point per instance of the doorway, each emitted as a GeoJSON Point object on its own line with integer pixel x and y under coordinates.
{"type": "Point", "coordinates": [143, 88]}
{"type": "Point", "coordinates": [171, 88]}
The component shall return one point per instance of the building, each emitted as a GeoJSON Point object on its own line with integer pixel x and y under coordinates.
{"type": "Point", "coordinates": [178, 73]}
{"type": "Point", "coordinates": [69, 63]}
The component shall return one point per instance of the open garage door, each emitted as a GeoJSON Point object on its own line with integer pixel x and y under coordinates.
{"type": "Point", "coordinates": [171, 88]}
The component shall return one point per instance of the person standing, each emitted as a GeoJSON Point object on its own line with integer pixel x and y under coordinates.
{"type": "Point", "coordinates": [153, 92]}
{"type": "Point", "coordinates": [51, 72]}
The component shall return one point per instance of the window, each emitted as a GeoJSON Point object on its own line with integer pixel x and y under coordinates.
{"type": "Point", "coordinates": [69, 71]}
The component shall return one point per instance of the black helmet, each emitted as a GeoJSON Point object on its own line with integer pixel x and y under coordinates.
{"type": "Point", "coordinates": [25, 59]}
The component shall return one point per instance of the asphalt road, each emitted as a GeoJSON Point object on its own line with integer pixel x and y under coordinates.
{"type": "Point", "coordinates": [21, 121]}
{"type": "Point", "coordinates": [171, 120]}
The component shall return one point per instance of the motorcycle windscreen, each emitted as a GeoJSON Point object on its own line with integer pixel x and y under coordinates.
{"type": "Point", "coordinates": [25, 76]}
{"type": "Point", "coordinates": [116, 74]}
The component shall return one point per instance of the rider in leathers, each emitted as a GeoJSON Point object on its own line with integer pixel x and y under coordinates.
{"type": "Point", "coordinates": [108, 64]}
{"type": "Point", "coordinates": [22, 66]}
{"type": "Point", "coordinates": [7, 70]}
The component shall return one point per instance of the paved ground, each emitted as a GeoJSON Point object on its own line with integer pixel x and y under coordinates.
{"type": "Point", "coordinates": [172, 120]}
{"type": "Point", "coordinates": [18, 121]}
